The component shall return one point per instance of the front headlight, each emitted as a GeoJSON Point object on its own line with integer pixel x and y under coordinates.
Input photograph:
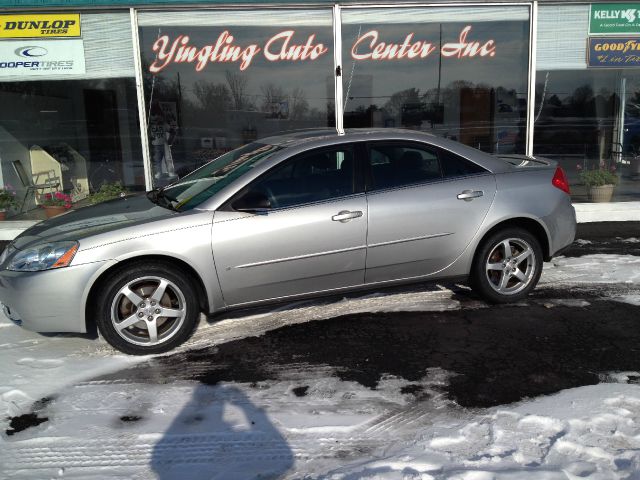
{"type": "Point", "coordinates": [44, 257]}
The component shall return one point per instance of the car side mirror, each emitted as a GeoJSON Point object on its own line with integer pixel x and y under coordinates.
{"type": "Point", "coordinates": [252, 202]}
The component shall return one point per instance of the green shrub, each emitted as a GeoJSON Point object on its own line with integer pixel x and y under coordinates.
{"type": "Point", "coordinates": [108, 191]}
{"type": "Point", "coordinates": [598, 177]}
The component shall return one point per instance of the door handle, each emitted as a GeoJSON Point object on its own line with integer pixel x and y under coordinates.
{"type": "Point", "coordinates": [468, 195]}
{"type": "Point", "coordinates": [345, 215]}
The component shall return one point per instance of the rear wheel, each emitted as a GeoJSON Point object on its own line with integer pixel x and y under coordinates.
{"type": "Point", "coordinates": [147, 308]}
{"type": "Point", "coordinates": [507, 266]}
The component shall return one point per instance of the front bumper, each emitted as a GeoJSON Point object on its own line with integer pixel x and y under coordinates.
{"type": "Point", "coordinates": [49, 301]}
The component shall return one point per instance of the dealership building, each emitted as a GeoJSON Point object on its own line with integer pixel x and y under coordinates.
{"type": "Point", "coordinates": [97, 92]}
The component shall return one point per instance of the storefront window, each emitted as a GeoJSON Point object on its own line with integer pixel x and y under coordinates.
{"type": "Point", "coordinates": [68, 122]}
{"type": "Point", "coordinates": [216, 80]}
{"type": "Point", "coordinates": [587, 117]}
{"type": "Point", "coordinates": [459, 72]}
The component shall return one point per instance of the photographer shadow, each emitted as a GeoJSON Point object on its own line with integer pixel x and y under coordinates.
{"type": "Point", "coordinates": [221, 434]}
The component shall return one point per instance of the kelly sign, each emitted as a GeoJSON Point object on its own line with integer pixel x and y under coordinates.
{"type": "Point", "coordinates": [614, 18]}
{"type": "Point", "coordinates": [29, 58]}
{"type": "Point", "coordinates": [613, 52]}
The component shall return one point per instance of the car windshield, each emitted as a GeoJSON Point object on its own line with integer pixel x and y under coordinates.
{"type": "Point", "coordinates": [200, 185]}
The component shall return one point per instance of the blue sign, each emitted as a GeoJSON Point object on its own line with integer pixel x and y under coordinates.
{"type": "Point", "coordinates": [613, 52]}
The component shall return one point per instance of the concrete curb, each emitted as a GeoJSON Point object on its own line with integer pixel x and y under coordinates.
{"type": "Point", "coordinates": [607, 212]}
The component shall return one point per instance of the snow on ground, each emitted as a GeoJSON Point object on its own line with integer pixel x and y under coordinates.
{"type": "Point", "coordinates": [598, 268]}
{"type": "Point", "coordinates": [587, 432]}
{"type": "Point", "coordinates": [336, 430]}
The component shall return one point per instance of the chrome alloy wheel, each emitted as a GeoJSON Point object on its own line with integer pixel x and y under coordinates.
{"type": "Point", "coordinates": [148, 311]}
{"type": "Point", "coordinates": [510, 266]}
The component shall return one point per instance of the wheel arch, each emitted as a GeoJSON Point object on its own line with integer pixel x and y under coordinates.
{"type": "Point", "coordinates": [89, 310]}
{"type": "Point", "coordinates": [531, 225]}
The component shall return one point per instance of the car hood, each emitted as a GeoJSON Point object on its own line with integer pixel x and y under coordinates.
{"type": "Point", "coordinates": [101, 218]}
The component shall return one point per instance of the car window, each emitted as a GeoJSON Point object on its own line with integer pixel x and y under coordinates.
{"type": "Point", "coordinates": [200, 185]}
{"type": "Point", "coordinates": [397, 165]}
{"type": "Point", "coordinates": [309, 177]}
{"type": "Point", "coordinates": [456, 166]}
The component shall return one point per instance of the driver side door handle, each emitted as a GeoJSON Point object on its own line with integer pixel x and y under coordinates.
{"type": "Point", "coordinates": [345, 215]}
{"type": "Point", "coordinates": [468, 195]}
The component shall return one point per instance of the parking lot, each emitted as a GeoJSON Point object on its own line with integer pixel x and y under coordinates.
{"type": "Point", "coordinates": [425, 381]}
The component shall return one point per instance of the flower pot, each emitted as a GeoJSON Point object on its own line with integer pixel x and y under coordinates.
{"type": "Point", "coordinates": [53, 210]}
{"type": "Point", "coordinates": [601, 193]}
{"type": "Point", "coordinates": [3, 215]}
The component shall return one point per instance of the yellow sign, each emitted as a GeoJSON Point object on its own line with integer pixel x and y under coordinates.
{"type": "Point", "coordinates": [36, 25]}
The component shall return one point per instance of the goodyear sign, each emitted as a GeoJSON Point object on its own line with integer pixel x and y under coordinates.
{"type": "Point", "coordinates": [613, 52]}
{"type": "Point", "coordinates": [46, 25]}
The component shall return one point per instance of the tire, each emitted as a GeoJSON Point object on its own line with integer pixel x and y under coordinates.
{"type": "Point", "coordinates": [147, 308]}
{"type": "Point", "coordinates": [522, 266]}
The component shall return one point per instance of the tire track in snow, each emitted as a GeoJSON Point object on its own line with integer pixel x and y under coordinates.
{"type": "Point", "coordinates": [176, 449]}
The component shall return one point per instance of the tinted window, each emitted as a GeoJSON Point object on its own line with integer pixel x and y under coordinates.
{"type": "Point", "coordinates": [455, 166]}
{"type": "Point", "coordinates": [394, 165]}
{"type": "Point", "coordinates": [310, 177]}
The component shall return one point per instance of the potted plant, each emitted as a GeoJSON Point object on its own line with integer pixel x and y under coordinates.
{"type": "Point", "coordinates": [7, 200]}
{"type": "Point", "coordinates": [600, 183]}
{"type": "Point", "coordinates": [55, 203]}
{"type": "Point", "coordinates": [108, 191]}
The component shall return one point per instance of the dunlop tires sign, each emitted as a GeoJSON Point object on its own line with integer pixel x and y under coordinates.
{"type": "Point", "coordinates": [56, 25]}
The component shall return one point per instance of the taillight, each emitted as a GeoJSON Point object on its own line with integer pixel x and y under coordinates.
{"type": "Point", "coordinates": [560, 181]}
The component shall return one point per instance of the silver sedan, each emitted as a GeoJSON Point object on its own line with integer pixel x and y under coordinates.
{"type": "Point", "coordinates": [292, 216]}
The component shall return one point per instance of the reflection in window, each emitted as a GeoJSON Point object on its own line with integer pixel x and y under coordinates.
{"type": "Point", "coordinates": [233, 77]}
{"type": "Point", "coordinates": [459, 73]}
{"type": "Point", "coordinates": [310, 177]}
{"type": "Point", "coordinates": [582, 123]}
{"type": "Point", "coordinates": [73, 133]}
{"type": "Point", "coordinates": [396, 165]}
{"type": "Point", "coordinates": [586, 119]}
{"type": "Point", "coordinates": [205, 182]}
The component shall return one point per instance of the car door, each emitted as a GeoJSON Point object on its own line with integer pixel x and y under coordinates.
{"type": "Point", "coordinates": [311, 238]}
{"type": "Point", "coordinates": [425, 206]}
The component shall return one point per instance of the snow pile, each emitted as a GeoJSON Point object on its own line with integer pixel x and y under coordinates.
{"type": "Point", "coordinates": [589, 432]}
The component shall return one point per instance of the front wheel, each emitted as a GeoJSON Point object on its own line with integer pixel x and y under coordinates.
{"type": "Point", "coordinates": [147, 308]}
{"type": "Point", "coordinates": [507, 266]}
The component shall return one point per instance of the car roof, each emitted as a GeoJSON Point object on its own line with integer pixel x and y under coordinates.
{"type": "Point", "coordinates": [300, 140]}
{"type": "Point", "coordinates": [296, 137]}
